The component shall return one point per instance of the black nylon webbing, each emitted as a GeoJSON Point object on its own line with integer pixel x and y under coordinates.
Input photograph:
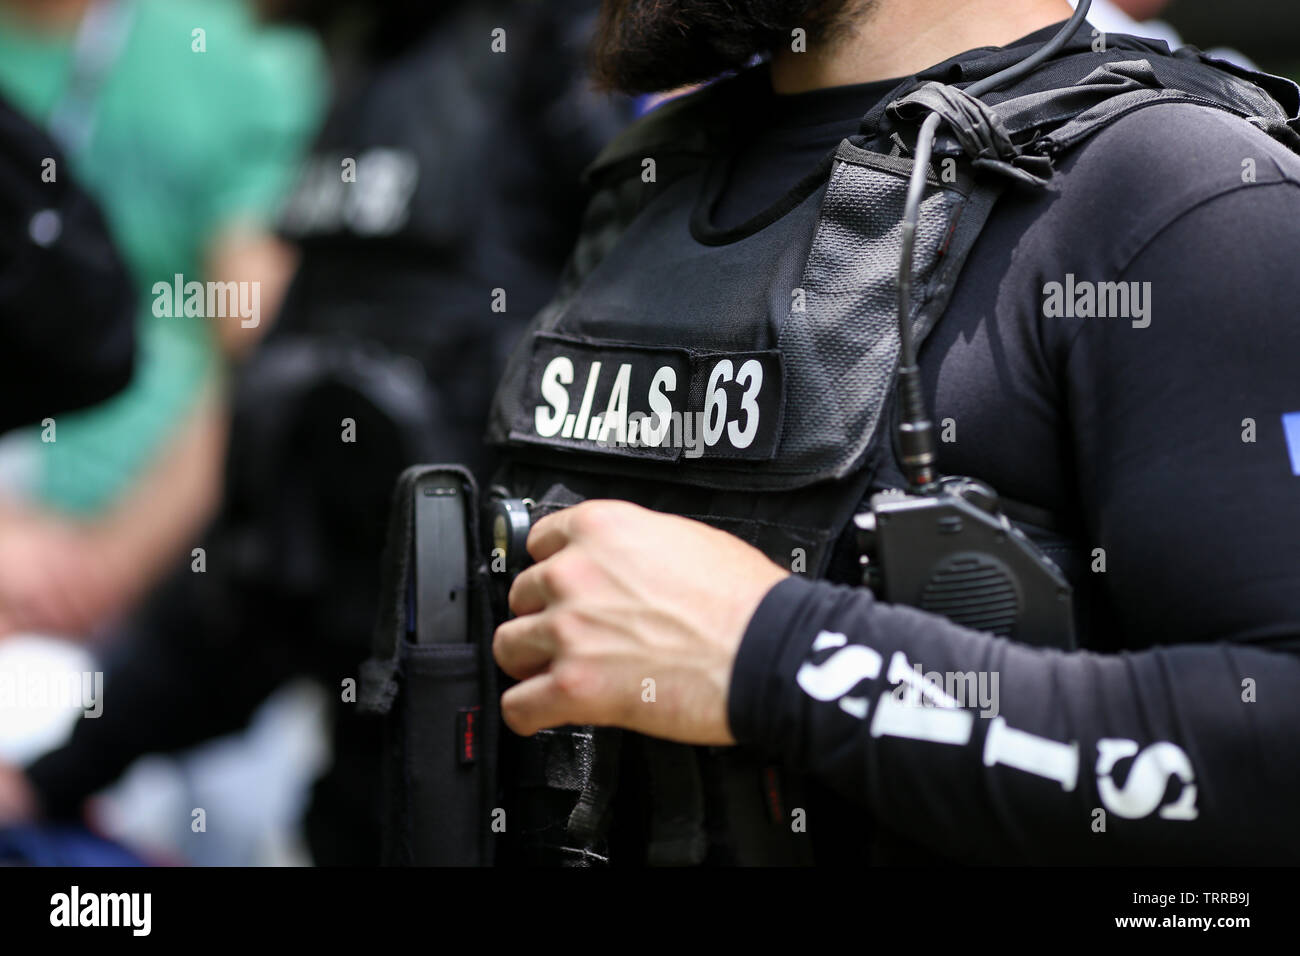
{"type": "Point", "coordinates": [677, 834]}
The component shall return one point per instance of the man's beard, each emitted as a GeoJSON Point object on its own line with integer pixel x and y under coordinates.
{"type": "Point", "coordinates": [644, 46]}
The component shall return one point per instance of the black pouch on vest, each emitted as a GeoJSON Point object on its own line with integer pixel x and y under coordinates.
{"type": "Point", "coordinates": [432, 676]}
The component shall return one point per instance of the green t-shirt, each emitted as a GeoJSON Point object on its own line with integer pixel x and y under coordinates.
{"type": "Point", "coordinates": [182, 143]}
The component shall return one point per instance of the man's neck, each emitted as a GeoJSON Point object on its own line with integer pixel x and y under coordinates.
{"type": "Point", "coordinates": [901, 37]}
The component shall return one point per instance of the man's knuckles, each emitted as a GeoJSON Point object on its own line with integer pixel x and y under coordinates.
{"type": "Point", "coordinates": [573, 695]}
{"type": "Point", "coordinates": [578, 682]}
{"type": "Point", "coordinates": [565, 627]}
{"type": "Point", "coordinates": [602, 518]}
{"type": "Point", "coordinates": [571, 574]}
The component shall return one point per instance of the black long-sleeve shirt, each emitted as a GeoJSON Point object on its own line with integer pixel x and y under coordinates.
{"type": "Point", "coordinates": [1176, 445]}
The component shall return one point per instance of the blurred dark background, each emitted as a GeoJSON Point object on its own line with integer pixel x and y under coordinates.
{"type": "Point", "coordinates": [1268, 31]}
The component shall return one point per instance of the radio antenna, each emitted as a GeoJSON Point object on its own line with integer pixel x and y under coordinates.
{"type": "Point", "coordinates": [915, 430]}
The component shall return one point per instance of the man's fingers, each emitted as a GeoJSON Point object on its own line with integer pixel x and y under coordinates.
{"type": "Point", "coordinates": [524, 646]}
{"type": "Point", "coordinates": [529, 592]}
{"type": "Point", "coordinates": [535, 705]}
{"type": "Point", "coordinates": [594, 519]}
{"type": "Point", "coordinates": [558, 578]}
{"type": "Point", "coordinates": [550, 534]}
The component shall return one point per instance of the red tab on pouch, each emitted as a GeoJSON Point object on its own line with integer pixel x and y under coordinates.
{"type": "Point", "coordinates": [467, 734]}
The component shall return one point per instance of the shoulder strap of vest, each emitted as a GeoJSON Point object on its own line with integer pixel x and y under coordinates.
{"type": "Point", "coordinates": [1019, 133]}
{"type": "Point", "coordinates": [1019, 137]}
{"type": "Point", "coordinates": [1071, 114]}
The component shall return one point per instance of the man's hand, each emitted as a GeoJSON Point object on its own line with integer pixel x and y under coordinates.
{"type": "Point", "coordinates": [631, 619]}
{"type": "Point", "coordinates": [52, 577]}
{"type": "Point", "coordinates": [67, 577]}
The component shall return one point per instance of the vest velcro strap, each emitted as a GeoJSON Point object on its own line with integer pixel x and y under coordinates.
{"type": "Point", "coordinates": [978, 129]}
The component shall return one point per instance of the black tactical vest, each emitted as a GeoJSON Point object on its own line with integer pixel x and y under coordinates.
{"type": "Point", "coordinates": [768, 414]}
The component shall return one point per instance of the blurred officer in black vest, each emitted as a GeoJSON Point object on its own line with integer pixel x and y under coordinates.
{"type": "Point", "coordinates": [433, 219]}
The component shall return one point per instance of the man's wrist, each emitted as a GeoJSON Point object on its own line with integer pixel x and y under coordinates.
{"type": "Point", "coordinates": [775, 640]}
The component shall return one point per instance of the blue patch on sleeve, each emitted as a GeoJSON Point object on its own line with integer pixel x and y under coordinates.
{"type": "Point", "coordinates": [1291, 428]}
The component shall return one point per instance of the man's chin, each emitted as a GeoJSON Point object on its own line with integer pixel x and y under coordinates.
{"type": "Point", "coordinates": [648, 46]}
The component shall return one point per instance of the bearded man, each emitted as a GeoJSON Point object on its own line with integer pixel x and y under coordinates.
{"type": "Point", "coordinates": [1102, 297]}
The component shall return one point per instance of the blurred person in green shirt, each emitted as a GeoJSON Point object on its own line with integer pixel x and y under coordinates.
{"type": "Point", "coordinates": [187, 122]}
